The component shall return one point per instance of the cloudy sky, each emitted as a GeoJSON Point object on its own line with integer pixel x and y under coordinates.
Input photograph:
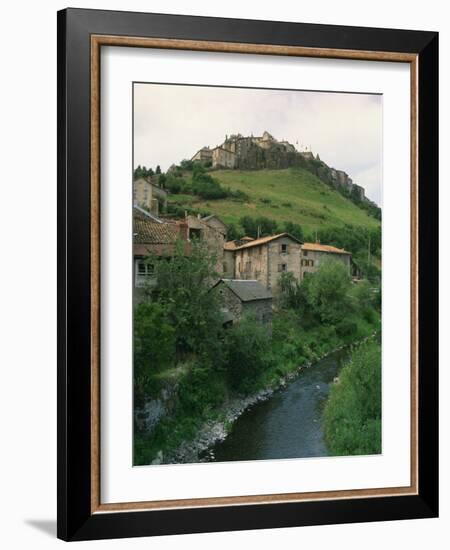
{"type": "Point", "coordinates": [172, 122]}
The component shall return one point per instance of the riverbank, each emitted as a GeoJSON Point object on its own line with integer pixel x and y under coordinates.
{"type": "Point", "coordinates": [216, 430]}
{"type": "Point", "coordinates": [352, 416]}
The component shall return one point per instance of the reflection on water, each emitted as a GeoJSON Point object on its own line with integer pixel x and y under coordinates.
{"type": "Point", "coordinates": [289, 424]}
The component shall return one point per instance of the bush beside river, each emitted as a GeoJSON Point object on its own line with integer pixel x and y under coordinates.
{"type": "Point", "coordinates": [353, 411]}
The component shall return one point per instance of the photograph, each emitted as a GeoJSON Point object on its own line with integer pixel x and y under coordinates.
{"type": "Point", "coordinates": [257, 273]}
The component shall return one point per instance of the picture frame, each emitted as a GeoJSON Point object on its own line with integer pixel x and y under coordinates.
{"type": "Point", "coordinates": [81, 36]}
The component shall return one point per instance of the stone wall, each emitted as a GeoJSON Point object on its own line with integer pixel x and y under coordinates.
{"type": "Point", "coordinates": [312, 259]}
{"type": "Point", "coordinates": [261, 310]}
{"type": "Point", "coordinates": [213, 239]}
{"type": "Point", "coordinates": [251, 263]}
{"type": "Point", "coordinates": [230, 301]}
{"type": "Point", "coordinates": [280, 262]}
{"type": "Point", "coordinates": [228, 264]}
{"type": "Point", "coordinates": [267, 262]}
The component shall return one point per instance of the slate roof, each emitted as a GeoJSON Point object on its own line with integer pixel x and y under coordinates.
{"type": "Point", "coordinates": [323, 248]}
{"type": "Point", "coordinates": [147, 231]}
{"type": "Point", "coordinates": [246, 290]}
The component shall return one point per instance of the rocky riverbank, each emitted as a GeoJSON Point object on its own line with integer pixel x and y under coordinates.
{"type": "Point", "coordinates": [214, 431]}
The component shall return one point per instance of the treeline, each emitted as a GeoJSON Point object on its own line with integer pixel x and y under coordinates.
{"type": "Point", "coordinates": [353, 411]}
{"type": "Point", "coordinates": [144, 172]}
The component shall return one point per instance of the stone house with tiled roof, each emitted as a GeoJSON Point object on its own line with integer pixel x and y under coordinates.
{"type": "Point", "coordinates": [153, 236]}
{"type": "Point", "coordinates": [149, 196]}
{"type": "Point", "coordinates": [313, 254]}
{"type": "Point", "coordinates": [264, 259]}
{"type": "Point", "coordinates": [244, 297]}
{"type": "Point", "coordinates": [267, 258]}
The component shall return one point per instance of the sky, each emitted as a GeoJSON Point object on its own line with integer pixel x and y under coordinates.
{"type": "Point", "coordinates": [172, 122]}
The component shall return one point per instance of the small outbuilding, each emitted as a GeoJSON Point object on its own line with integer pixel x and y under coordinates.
{"type": "Point", "coordinates": [244, 297]}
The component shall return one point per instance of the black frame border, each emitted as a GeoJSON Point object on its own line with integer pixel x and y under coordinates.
{"type": "Point", "coordinates": [75, 521]}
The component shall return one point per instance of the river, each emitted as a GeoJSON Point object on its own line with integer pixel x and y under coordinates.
{"type": "Point", "coordinates": [287, 425]}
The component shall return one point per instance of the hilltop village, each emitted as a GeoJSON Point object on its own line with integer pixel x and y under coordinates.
{"type": "Point", "coordinates": [259, 152]}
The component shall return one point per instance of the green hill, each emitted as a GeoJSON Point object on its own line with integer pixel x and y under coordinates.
{"type": "Point", "coordinates": [290, 195]}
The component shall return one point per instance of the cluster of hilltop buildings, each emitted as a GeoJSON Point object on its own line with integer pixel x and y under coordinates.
{"type": "Point", "coordinates": [259, 152]}
{"type": "Point", "coordinates": [248, 270]}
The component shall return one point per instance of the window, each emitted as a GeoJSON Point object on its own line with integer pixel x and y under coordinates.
{"type": "Point", "coordinates": [144, 272]}
{"type": "Point", "coordinates": [305, 253]}
{"type": "Point", "coordinates": [284, 248]}
{"type": "Point", "coordinates": [194, 233]}
{"type": "Point", "coordinates": [282, 267]}
{"type": "Point", "coordinates": [311, 263]}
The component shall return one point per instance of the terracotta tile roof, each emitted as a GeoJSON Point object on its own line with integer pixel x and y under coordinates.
{"type": "Point", "coordinates": [230, 245]}
{"type": "Point", "coordinates": [147, 231]}
{"type": "Point", "coordinates": [323, 248]}
{"type": "Point", "coordinates": [264, 240]}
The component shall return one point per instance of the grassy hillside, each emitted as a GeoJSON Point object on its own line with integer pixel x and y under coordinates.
{"type": "Point", "coordinates": [293, 195]}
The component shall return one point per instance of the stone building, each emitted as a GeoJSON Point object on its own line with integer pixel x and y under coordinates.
{"type": "Point", "coordinates": [223, 158]}
{"type": "Point", "coordinates": [149, 196]}
{"type": "Point", "coordinates": [264, 259]}
{"type": "Point", "coordinates": [210, 230]}
{"type": "Point", "coordinates": [244, 297]}
{"type": "Point", "coordinates": [205, 154]}
{"type": "Point", "coordinates": [152, 236]}
{"type": "Point", "coordinates": [313, 254]}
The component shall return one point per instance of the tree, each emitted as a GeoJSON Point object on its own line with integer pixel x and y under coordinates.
{"type": "Point", "coordinates": [154, 344]}
{"type": "Point", "coordinates": [158, 169]}
{"type": "Point", "coordinates": [327, 291]}
{"type": "Point", "coordinates": [294, 229]}
{"type": "Point", "coordinates": [353, 411]}
{"type": "Point", "coordinates": [248, 349]}
{"type": "Point", "coordinates": [183, 284]}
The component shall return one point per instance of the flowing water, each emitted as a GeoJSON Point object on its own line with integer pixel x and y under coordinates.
{"type": "Point", "coordinates": [287, 425]}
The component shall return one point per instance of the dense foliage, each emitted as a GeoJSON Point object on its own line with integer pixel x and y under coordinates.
{"type": "Point", "coordinates": [353, 412]}
{"type": "Point", "coordinates": [180, 340]}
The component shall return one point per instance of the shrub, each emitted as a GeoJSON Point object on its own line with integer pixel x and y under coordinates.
{"type": "Point", "coordinates": [327, 291]}
{"type": "Point", "coordinates": [154, 345]}
{"type": "Point", "coordinates": [353, 411]}
{"type": "Point", "coordinates": [248, 348]}
{"type": "Point", "coordinates": [200, 391]}
{"type": "Point", "coordinates": [173, 184]}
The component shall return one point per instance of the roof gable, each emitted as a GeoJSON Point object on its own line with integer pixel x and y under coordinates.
{"type": "Point", "coordinates": [265, 240]}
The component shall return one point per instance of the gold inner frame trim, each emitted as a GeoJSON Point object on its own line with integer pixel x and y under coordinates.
{"type": "Point", "coordinates": [97, 41]}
